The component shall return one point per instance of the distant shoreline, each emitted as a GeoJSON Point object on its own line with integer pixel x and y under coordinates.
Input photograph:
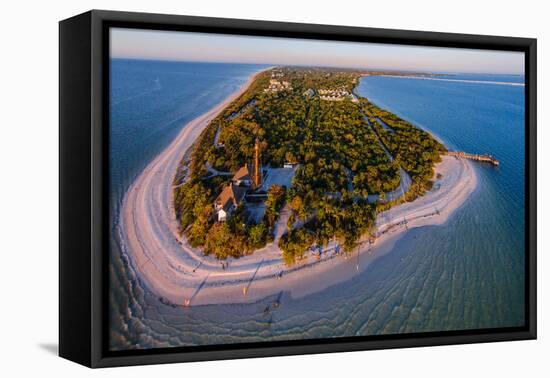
{"type": "Point", "coordinates": [179, 274]}
{"type": "Point", "coordinates": [457, 80]}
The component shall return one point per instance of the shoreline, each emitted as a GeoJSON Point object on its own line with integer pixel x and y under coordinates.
{"type": "Point", "coordinates": [181, 275]}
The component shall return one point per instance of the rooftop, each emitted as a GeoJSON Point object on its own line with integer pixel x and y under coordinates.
{"type": "Point", "coordinates": [231, 195]}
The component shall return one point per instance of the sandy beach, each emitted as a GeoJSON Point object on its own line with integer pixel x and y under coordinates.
{"type": "Point", "coordinates": [181, 275]}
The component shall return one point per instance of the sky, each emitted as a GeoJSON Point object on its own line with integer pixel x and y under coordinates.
{"type": "Point", "coordinates": [203, 47]}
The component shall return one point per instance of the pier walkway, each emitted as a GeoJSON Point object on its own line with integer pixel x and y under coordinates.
{"type": "Point", "coordinates": [476, 157]}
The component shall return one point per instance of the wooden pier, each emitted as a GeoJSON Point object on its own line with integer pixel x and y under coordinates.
{"type": "Point", "coordinates": [476, 157]}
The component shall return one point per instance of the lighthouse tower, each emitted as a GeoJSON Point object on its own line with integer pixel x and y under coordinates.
{"type": "Point", "coordinates": [256, 175]}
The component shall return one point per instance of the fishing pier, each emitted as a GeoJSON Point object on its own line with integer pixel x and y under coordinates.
{"type": "Point", "coordinates": [482, 158]}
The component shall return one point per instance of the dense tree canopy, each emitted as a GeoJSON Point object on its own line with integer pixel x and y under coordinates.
{"type": "Point", "coordinates": [414, 150]}
{"type": "Point", "coordinates": [345, 149]}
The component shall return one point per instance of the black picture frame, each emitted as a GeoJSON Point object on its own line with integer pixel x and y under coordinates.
{"type": "Point", "coordinates": [83, 228]}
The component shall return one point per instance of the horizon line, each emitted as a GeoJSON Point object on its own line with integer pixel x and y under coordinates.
{"type": "Point", "coordinates": [309, 65]}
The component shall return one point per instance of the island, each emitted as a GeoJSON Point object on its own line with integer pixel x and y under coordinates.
{"type": "Point", "coordinates": [278, 187]}
{"type": "Point", "coordinates": [299, 159]}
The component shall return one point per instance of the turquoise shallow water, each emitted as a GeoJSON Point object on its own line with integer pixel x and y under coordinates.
{"type": "Point", "coordinates": [466, 274]}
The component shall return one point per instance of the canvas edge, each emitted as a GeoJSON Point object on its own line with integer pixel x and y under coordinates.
{"type": "Point", "coordinates": [98, 357]}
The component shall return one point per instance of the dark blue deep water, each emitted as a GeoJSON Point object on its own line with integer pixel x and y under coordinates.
{"type": "Point", "coordinates": [466, 274]}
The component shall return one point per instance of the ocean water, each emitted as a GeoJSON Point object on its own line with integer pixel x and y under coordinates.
{"type": "Point", "coordinates": [466, 274]}
{"type": "Point", "coordinates": [476, 261]}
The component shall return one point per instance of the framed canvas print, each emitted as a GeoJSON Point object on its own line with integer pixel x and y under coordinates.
{"type": "Point", "coordinates": [234, 188]}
